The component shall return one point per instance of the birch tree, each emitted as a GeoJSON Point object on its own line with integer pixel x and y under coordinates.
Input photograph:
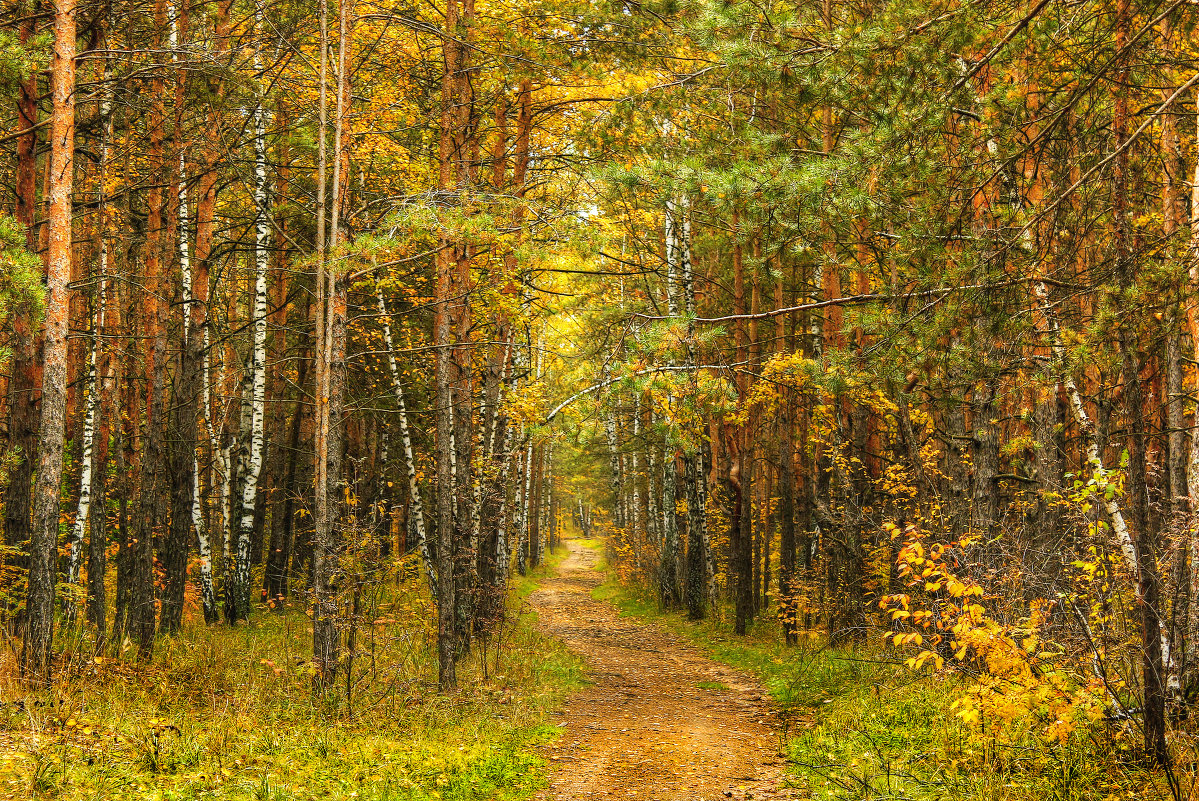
{"type": "Point", "coordinates": [238, 606]}
{"type": "Point", "coordinates": [414, 493]}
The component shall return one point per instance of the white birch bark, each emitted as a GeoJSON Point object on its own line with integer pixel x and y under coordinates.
{"type": "Point", "coordinates": [688, 278]}
{"type": "Point", "coordinates": [1110, 504]}
{"type": "Point", "coordinates": [525, 508]}
{"type": "Point", "coordinates": [545, 532]}
{"type": "Point", "coordinates": [494, 450]}
{"type": "Point", "coordinates": [635, 513]}
{"type": "Point", "coordinates": [185, 268]}
{"type": "Point", "coordinates": [614, 466]}
{"type": "Point", "coordinates": [502, 556]}
{"type": "Point", "coordinates": [653, 523]}
{"type": "Point", "coordinates": [453, 463]}
{"type": "Point", "coordinates": [204, 543]}
{"type": "Point", "coordinates": [1087, 427]}
{"type": "Point", "coordinates": [418, 506]}
{"type": "Point", "coordinates": [220, 473]}
{"type": "Point", "coordinates": [254, 395]}
{"type": "Point", "coordinates": [673, 256]}
{"type": "Point", "coordinates": [87, 460]}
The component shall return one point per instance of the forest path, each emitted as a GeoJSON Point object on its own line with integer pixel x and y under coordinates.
{"type": "Point", "coordinates": [646, 728]}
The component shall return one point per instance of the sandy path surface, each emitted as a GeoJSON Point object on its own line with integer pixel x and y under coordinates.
{"type": "Point", "coordinates": [645, 728]}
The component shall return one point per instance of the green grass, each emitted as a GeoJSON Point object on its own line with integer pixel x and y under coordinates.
{"type": "Point", "coordinates": [594, 543]}
{"type": "Point", "coordinates": [228, 713]}
{"type": "Point", "coordinates": [857, 725]}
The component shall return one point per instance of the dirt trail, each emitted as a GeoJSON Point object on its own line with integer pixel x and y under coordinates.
{"type": "Point", "coordinates": [646, 729]}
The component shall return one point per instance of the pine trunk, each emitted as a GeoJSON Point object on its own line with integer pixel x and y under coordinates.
{"type": "Point", "coordinates": [36, 648]}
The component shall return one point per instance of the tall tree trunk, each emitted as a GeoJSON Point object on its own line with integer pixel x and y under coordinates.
{"type": "Point", "coordinates": [126, 463]}
{"type": "Point", "coordinates": [281, 464]}
{"type": "Point", "coordinates": [444, 394]}
{"type": "Point", "coordinates": [199, 337]}
{"type": "Point", "coordinates": [985, 443]}
{"type": "Point", "coordinates": [183, 423]}
{"type": "Point", "coordinates": [536, 487]}
{"type": "Point", "coordinates": [91, 465]}
{"type": "Point", "coordinates": [252, 440]}
{"type": "Point", "coordinates": [282, 567]}
{"type": "Point", "coordinates": [142, 616]}
{"type": "Point", "coordinates": [618, 516]}
{"type": "Point", "coordinates": [636, 528]}
{"type": "Point", "coordinates": [788, 608]}
{"type": "Point", "coordinates": [1176, 461]}
{"type": "Point", "coordinates": [525, 507]}
{"type": "Point", "coordinates": [324, 628]}
{"type": "Point", "coordinates": [1192, 476]}
{"type": "Point", "coordinates": [1137, 493]}
{"type": "Point", "coordinates": [741, 530]}
{"type": "Point", "coordinates": [39, 632]}
{"type": "Point", "coordinates": [699, 556]}
{"type": "Point", "coordinates": [97, 544]}
{"type": "Point", "coordinates": [87, 464]}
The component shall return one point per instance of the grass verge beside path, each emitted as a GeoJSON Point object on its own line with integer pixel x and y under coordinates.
{"type": "Point", "coordinates": [856, 725]}
{"type": "Point", "coordinates": [227, 713]}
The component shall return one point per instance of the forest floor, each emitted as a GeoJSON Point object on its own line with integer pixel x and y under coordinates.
{"type": "Point", "coordinates": [228, 714]}
{"type": "Point", "coordinates": [660, 720]}
{"type": "Point", "coordinates": [849, 722]}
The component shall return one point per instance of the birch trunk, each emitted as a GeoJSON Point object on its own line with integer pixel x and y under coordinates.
{"type": "Point", "coordinates": [1087, 427]}
{"type": "Point", "coordinates": [445, 396]}
{"type": "Point", "coordinates": [502, 557]}
{"type": "Point", "coordinates": [614, 466]}
{"type": "Point", "coordinates": [88, 457]}
{"type": "Point", "coordinates": [698, 557]}
{"type": "Point", "coordinates": [526, 510]}
{"type": "Point", "coordinates": [257, 362]}
{"type": "Point", "coordinates": [199, 332]}
{"type": "Point", "coordinates": [670, 530]}
{"type": "Point", "coordinates": [636, 529]}
{"type": "Point", "coordinates": [654, 531]}
{"type": "Point", "coordinates": [1099, 473]}
{"type": "Point", "coordinates": [414, 495]}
